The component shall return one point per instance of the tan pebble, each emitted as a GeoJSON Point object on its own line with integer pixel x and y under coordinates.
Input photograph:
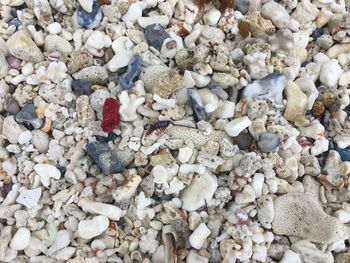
{"type": "Point", "coordinates": [41, 109]}
{"type": "Point", "coordinates": [47, 125]}
{"type": "Point", "coordinates": [338, 49]}
{"type": "Point", "coordinates": [323, 17]}
{"type": "Point", "coordinates": [296, 105]}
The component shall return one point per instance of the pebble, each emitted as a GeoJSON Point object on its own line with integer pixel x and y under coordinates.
{"type": "Point", "coordinates": [40, 140]}
{"type": "Point", "coordinates": [133, 14]}
{"type": "Point", "coordinates": [62, 240]}
{"type": "Point", "coordinates": [276, 13]}
{"type": "Point", "coordinates": [155, 35]}
{"type": "Point", "coordinates": [236, 126]}
{"type": "Point", "coordinates": [330, 73]}
{"type": "Point", "coordinates": [104, 157]}
{"type": "Point", "coordinates": [127, 80]}
{"type": "Point", "coordinates": [88, 229]}
{"type": "Point", "coordinates": [46, 172]}
{"type": "Point", "coordinates": [211, 17]}
{"type": "Point", "coordinates": [11, 130]}
{"type": "Point", "coordinates": [20, 239]}
{"type": "Point", "coordinates": [110, 211]}
{"type": "Point", "coordinates": [81, 87]}
{"type": "Point", "coordinates": [54, 28]}
{"type": "Point", "coordinates": [242, 6]}
{"type": "Point", "coordinates": [28, 115]}
{"type": "Point", "coordinates": [13, 62]}
{"type": "Point", "coordinates": [268, 142]}
{"type": "Point", "coordinates": [196, 103]}
{"type": "Point", "coordinates": [90, 19]}
{"type": "Point", "coordinates": [290, 256]}
{"type": "Point", "coordinates": [199, 236]}
{"type": "Point", "coordinates": [146, 21]}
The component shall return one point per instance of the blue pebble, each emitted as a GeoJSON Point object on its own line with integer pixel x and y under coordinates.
{"type": "Point", "coordinates": [104, 157]}
{"type": "Point", "coordinates": [268, 142]}
{"type": "Point", "coordinates": [111, 137]}
{"type": "Point", "coordinates": [155, 35]}
{"type": "Point", "coordinates": [81, 87]}
{"type": "Point", "coordinates": [196, 103]}
{"type": "Point", "coordinates": [242, 6]}
{"type": "Point", "coordinates": [317, 33]}
{"type": "Point", "coordinates": [15, 21]}
{"type": "Point", "coordinates": [219, 91]}
{"type": "Point", "coordinates": [134, 70]}
{"type": "Point", "coordinates": [344, 154]}
{"type": "Point", "coordinates": [28, 115]}
{"type": "Point", "coordinates": [92, 19]}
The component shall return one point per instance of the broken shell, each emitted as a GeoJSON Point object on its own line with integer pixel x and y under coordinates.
{"type": "Point", "coordinates": [154, 131]}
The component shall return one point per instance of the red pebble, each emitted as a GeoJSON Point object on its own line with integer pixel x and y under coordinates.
{"type": "Point", "coordinates": [110, 115]}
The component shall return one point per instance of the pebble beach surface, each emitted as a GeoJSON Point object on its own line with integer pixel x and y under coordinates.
{"type": "Point", "coordinates": [161, 131]}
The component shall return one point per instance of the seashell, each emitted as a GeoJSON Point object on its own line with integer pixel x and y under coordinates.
{"type": "Point", "coordinates": [196, 103]}
{"type": "Point", "coordinates": [154, 131]}
{"type": "Point", "coordinates": [41, 109]}
{"type": "Point", "coordinates": [169, 238]}
{"type": "Point", "coordinates": [47, 125]}
{"type": "Point", "coordinates": [29, 198]}
{"type": "Point", "coordinates": [13, 61]}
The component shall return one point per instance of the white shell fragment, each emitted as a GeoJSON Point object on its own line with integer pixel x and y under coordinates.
{"type": "Point", "coordinates": [29, 198]}
{"type": "Point", "coordinates": [21, 239]}
{"type": "Point", "coordinates": [46, 172]}
{"type": "Point", "coordinates": [91, 228]}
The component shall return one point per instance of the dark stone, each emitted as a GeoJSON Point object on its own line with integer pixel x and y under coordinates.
{"type": "Point", "coordinates": [268, 142]}
{"type": "Point", "coordinates": [196, 103]}
{"type": "Point", "coordinates": [104, 157]}
{"type": "Point", "coordinates": [303, 65]}
{"type": "Point", "coordinates": [15, 22]}
{"type": "Point", "coordinates": [134, 70]}
{"type": "Point", "coordinates": [155, 35]}
{"type": "Point", "coordinates": [243, 140]}
{"type": "Point", "coordinates": [219, 91]}
{"type": "Point", "coordinates": [92, 19]}
{"type": "Point", "coordinates": [242, 6]}
{"type": "Point", "coordinates": [81, 87]}
{"type": "Point", "coordinates": [111, 137]}
{"type": "Point", "coordinates": [11, 105]}
{"type": "Point", "coordinates": [28, 115]}
{"type": "Point", "coordinates": [344, 154]}
{"type": "Point", "coordinates": [318, 32]}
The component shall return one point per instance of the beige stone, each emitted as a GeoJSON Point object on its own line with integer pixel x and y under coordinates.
{"type": "Point", "coordinates": [86, 113]}
{"type": "Point", "coordinates": [297, 103]}
{"type": "Point", "coordinates": [23, 47]}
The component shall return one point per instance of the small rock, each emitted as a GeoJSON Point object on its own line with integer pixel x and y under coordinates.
{"type": "Point", "coordinates": [54, 28]}
{"type": "Point", "coordinates": [290, 257]}
{"type": "Point", "coordinates": [104, 157]}
{"type": "Point", "coordinates": [236, 126]}
{"type": "Point", "coordinates": [196, 103]}
{"type": "Point", "coordinates": [13, 62]}
{"type": "Point", "coordinates": [96, 74]}
{"type": "Point", "coordinates": [28, 115]}
{"type": "Point", "coordinates": [134, 13]}
{"type": "Point", "coordinates": [81, 87]}
{"type": "Point", "coordinates": [86, 5]}
{"type": "Point", "coordinates": [90, 19]}
{"type": "Point", "coordinates": [29, 198]}
{"type": "Point", "coordinates": [85, 112]}
{"type": "Point", "coordinates": [155, 35]}
{"type": "Point", "coordinates": [211, 17]}
{"type": "Point", "coordinates": [12, 105]}
{"type": "Point", "coordinates": [276, 13]}
{"type": "Point", "coordinates": [330, 73]}
{"type": "Point", "coordinates": [242, 6]}
{"type": "Point", "coordinates": [134, 70]}
{"type": "Point", "coordinates": [296, 105]}
{"type": "Point", "coordinates": [268, 142]}
{"type": "Point", "coordinates": [40, 140]}
{"type": "Point", "coordinates": [46, 172]}
{"type": "Point", "coordinates": [23, 47]}
{"type": "Point", "coordinates": [11, 130]}
{"type": "Point", "coordinates": [91, 228]}
{"type": "Point", "coordinates": [110, 211]}
{"type": "Point", "coordinates": [199, 192]}
{"type": "Point", "coordinates": [308, 252]}
{"type": "Point", "coordinates": [57, 43]}
{"type": "Point", "coordinates": [20, 239]}
{"type": "Point", "coordinates": [199, 236]}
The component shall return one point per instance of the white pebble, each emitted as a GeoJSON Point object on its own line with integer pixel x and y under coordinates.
{"type": "Point", "coordinates": [330, 73]}
{"type": "Point", "coordinates": [54, 28]}
{"type": "Point", "coordinates": [236, 126]}
{"type": "Point", "coordinates": [159, 173]}
{"type": "Point", "coordinates": [290, 257]}
{"type": "Point", "coordinates": [29, 198]}
{"type": "Point", "coordinates": [24, 137]}
{"type": "Point", "coordinates": [21, 239]}
{"type": "Point", "coordinates": [91, 228]}
{"type": "Point", "coordinates": [111, 211]}
{"type": "Point", "coordinates": [185, 154]}
{"type": "Point", "coordinates": [134, 13]}
{"type": "Point", "coordinates": [46, 172]}
{"type": "Point", "coordinates": [86, 5]}
{"type": "Point", "coordinates": [199, 236]}
{"type": "Point", "coordinates": [212, 17]}
{"type": "Point", "coordinates": [27, 69]}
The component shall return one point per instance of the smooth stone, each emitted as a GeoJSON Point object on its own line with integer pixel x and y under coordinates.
{"type": "Point", "coordinates": [11, 130]}
{"type": "Point", "coordinates": [211, 17]}
{"type": "Point", "coordinates": [46, 172]}
{"type": "Point", "coordinates": [134, 13]}
{"type": "Point", "coordinates": [86, 5]}
{"type": "Point", "coordinates": [104, 157]}
{"type": "Point", "coordinates": [290, 256]}
{"type": "Point", "coordinates": [23, 47]}
{"type": "Point", "coordinates": [227, 110]}
{"type": "Point", "coordinates": [28, 115]}
{"type": "Point", "coordinates": [32, 249]}
{"type": "Point", "coordinates": [29, 198]}
{"type": "Point", "coordinates": [308, 252]}
{"type": "Point", "coordinates": [40, 140]}
{"type": "Point", "coordinates": [12, 105]}
{"type": "Point", "coordinates": [276, 13]}
{"type": "Point", "coordinates": [110, 211]}
{"type": "Point", "coordinates": [155, 35]}
{"type": "Point", "coordinates": [268, 142]}
{"type": "Point", "coordinates": [90, 19]}
{"type": "Point", "coordinates": [236, 126]}
{"type": "Point", "coordinates": [330, 73]}
{"type": "Point", "coordinates": [199, 236]}
{"type": "Point", "coordinates": [196, 103]}
{"type": "Point", "coordinates": [88, 229]}
{"type": "Point", "coordinates": [54, 28]}
{"type": "Point", "coordinates": [297, 103]}
{"type": "Point", "coordinates": [242, 6]}
{"type": "Point", "coordinates": [20, 239]}
{"type": "Point", "coordinates": [199, 192]}
{"type": "Point", "coordinates": [133, 71]}
{"type": "Point", "coordinates": [269, 87]}
{"type": "Point", "coordinates": [96, 74]}
{"type": "Point", "coordinates": [15, 22]}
